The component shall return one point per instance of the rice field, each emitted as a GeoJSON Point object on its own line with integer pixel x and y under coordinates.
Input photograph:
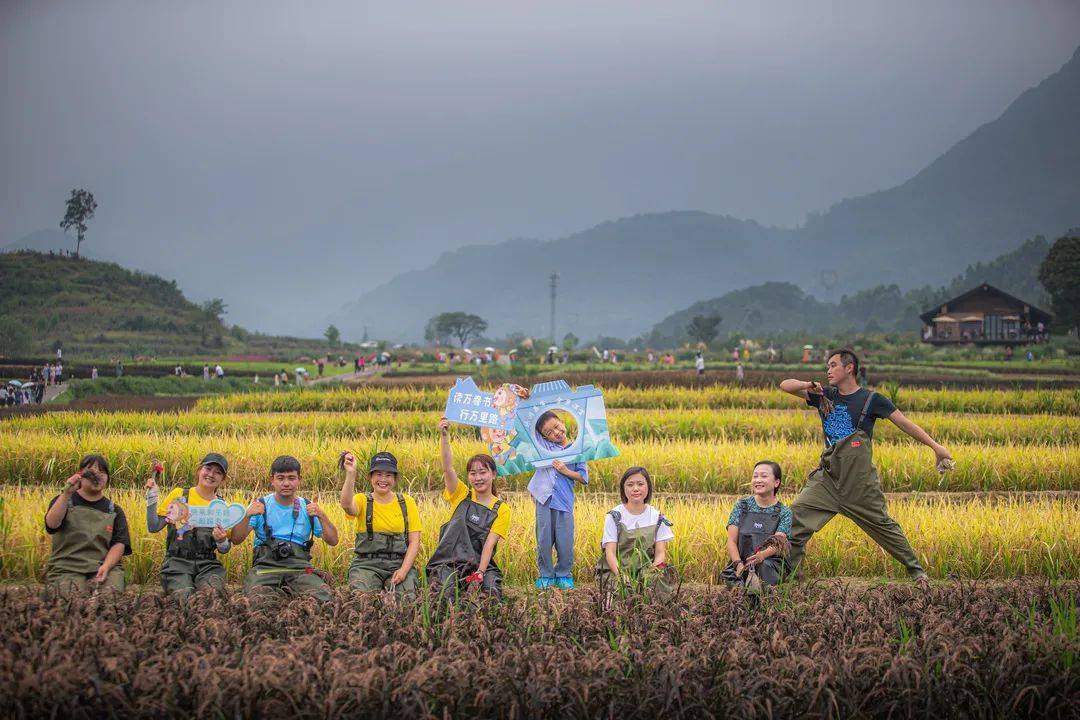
{"type": "Point", "coordinates": [627, 425]}
{"type": "Point", "coordinates": [45, 458]}
{"type": "Point", "coordinates": [991, 537]}
{"type": "Point", "coordinates": [712, 397]}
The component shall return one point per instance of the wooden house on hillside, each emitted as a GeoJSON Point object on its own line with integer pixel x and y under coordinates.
{"type": "Point", "coordinates": [986, 316]}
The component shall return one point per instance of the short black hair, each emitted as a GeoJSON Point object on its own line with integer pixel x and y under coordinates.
{"type": "Point", "coordinates": [543, 420]}
{"type": "Point", "coordinates": [775, 466]}
{"type": "Point", "coordinates": [98, 460]}
{"type": "Point", "coordinates": [847, 357]}
{"type": "Point", "coordinates": [284, 464]}
{"type": "Point", "coordinates": [630, 472]}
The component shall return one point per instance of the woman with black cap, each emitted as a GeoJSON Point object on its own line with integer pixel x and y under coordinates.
{"type": "Point", "coordinates": [387, 527]}
{"type": "Point", "coordinates": [191, 561]}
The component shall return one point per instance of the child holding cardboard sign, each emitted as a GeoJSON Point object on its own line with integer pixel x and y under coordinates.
{"type": "Point", "coordinates": [191, 562]}
{"type": "Point", "coordinates": [552, 489]}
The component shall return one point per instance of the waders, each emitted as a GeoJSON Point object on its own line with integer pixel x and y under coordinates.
{"type": "Point", "coordinates": [191, 561]}
{"type": "Point", "coordinates": [379, 555]}
{"type": "Point", "coordinates": [461, 542]}
{"type": "Point", "coordinates": [755, 529]}
{"type": "Point", "coordinates": [79, 549]}
{"type": "Point", "coordinates": [635, 550]}
{"type": "Point", "coordinates": [847, 482]}
{"type": "Point", "coordinates": [282, 566]}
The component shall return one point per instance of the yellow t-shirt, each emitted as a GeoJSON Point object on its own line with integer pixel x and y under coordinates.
{"type": "Point", "coordinates": [386, 517]}
{"type": "Point", "coordinates": [500, 527]}
{"type": "Point", "coordinates": [194, 499]}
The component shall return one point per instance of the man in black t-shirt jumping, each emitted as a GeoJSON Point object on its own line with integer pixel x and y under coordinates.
{"type": "Point", "coordinates": [846, 481]}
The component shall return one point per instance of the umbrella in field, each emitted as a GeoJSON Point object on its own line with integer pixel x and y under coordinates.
{"type": "Point", "coordinates": [16, 383]}
{"type": "Point", "coordinates": [489, 349]}
{"type": "Point", "coordinates": [553, 349]}
{"type": "Point", "coordinates": [807, 347]}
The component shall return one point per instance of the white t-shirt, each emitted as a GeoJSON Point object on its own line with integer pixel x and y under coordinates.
{"type": "Point", "coordinates": [649, 518]}
{"type": "Point", "coordinates": [700, 363]}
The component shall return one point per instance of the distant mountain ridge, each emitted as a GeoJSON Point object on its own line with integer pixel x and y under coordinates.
{"type": "Point", "coordinates": [1013, 178]}
{"type": "Point", "coordinates": [776, 308]}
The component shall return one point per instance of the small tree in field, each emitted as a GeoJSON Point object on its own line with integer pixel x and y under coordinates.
{"type": "Point", "coordinates": [80, 208]}
{"type": "Point", "coordinates": [460, 325]}
{"type": "Point", "coordinates": [333, 336]}
{"type": "Point", "coordinates": [703, 328]}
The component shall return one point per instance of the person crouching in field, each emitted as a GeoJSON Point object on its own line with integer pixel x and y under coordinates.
{"type": "Point", "coordinates": [758, 530]}
{"type": "Point", "coordinates": [635, 539]}
{"type": "Point", "coordinates": [552, 489]}
{"type": "Point", "coordinates": [387, 528]}
{"type": "Point", "coordinates": [465, 555]}
{"type": "Point", "coordinates": [89, 532]}
{"type": "Point", "coordinates": [285, 526]}
{"type": "Point", "coordinates": [191, 561]}
{"type": "Point", "coordinates": [846, 480]}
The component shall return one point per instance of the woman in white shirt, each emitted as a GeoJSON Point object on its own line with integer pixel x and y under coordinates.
{"type": "Point", "coordinates": [635, 540]}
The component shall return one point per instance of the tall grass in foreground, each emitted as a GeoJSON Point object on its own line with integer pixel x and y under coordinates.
{"type": "Point", "coordinates": [36, 457]}
{"type": "Point", "coordinates": [983, 538]}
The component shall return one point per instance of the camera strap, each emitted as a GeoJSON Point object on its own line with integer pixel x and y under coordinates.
{"type": "Point", "coordinates": [295, 516]}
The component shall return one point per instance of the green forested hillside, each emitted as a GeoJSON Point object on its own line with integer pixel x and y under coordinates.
{"type": "Point", "coordinates": [84, 304]}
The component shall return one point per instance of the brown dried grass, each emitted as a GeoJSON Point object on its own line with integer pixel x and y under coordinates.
{"type": "Point", "coordinates": [824, 650]}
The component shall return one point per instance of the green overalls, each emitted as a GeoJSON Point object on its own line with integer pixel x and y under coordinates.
{"type": "Point", "coordinates": [191, 561]}
{"type": "Point", "coordinates": [379, 555]}
{"type": "Point", "coordinates": [293, 574]}
{"type": "Point", "coordinates": [461, 542]}
{"type": "Point", "coordinates": [635, 550]}
{"type": "Point", "coordinates": [755, 528]}
{"type": "Point", "coordinates": [79, 548]}
{"type": "Point", "coordinates": [847, 482]}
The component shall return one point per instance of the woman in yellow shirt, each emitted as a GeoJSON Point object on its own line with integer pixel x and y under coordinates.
{"type": "Point", "coordinates": [464, 557]}
{"type": "Point", "coordinates": [387, 528]}
{"type": "Point", "coordinates": [191, 561]}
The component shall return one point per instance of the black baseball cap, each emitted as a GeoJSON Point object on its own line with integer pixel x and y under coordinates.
{"type": "Point", "coordinates": [216, 459]}
{"type": "Point", "coordinates": [383, 461]}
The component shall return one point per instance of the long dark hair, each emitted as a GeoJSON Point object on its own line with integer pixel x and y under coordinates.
{"type": "Point", "coordinates": [630, 472]}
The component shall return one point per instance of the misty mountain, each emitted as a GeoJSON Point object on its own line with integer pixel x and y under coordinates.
{"type": "Point", "coordinates": [1012, 178]}
{"type": "Point", "coordinates": [778, 308]}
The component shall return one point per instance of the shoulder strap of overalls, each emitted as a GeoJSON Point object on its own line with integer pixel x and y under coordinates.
{"type": "Point", "coordinates": [661, 521]}
{"type": "Point", "coordinates": [310, 542]}
{"type": "Point", "coordinates": [404, 512]}
{"type": "Point", "coordinates": [266, 519]}
{"type": "Point", "coordinates": [112, 506]}
{"type": "Point", "coordinates": [369, 515]}
{"type": "Point", "coordinates": [184, 495]}
{"type": "Point", "coordinates": [617, 517]}
{"type": "Point", "coordinates": [865, 407]}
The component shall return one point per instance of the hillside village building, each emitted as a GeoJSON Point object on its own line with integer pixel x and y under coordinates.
{"type": "Point", "coordinates": [985, 315]}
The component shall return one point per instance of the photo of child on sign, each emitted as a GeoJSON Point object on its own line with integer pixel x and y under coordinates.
{"type": "Point", "coordinates": [509, 431]}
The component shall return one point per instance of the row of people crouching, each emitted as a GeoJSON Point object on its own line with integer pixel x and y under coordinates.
{"type": "Point", "coordinates": [90, 535]}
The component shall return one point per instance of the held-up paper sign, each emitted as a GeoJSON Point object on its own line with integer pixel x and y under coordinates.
{"type": "Point", "coordinates": [218, 512]}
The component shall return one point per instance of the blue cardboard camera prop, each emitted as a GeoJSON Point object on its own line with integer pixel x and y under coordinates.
{"type": "Point", "coordinates": [507, 421]}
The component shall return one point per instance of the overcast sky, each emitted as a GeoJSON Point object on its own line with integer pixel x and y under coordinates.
{"type": "Point", "coordinates": [285, 156]}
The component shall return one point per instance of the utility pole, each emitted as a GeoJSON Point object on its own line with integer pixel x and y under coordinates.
{"type": "Point", "coordinates": [554, 278]}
